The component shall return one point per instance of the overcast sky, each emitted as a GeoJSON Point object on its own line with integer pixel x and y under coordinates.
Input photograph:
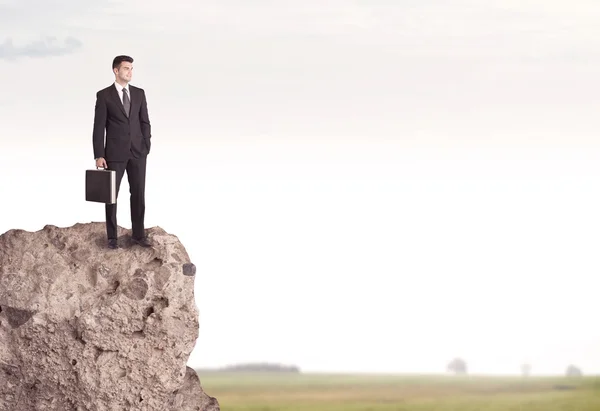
{"type": "Point", "coordinates": [362, 185]}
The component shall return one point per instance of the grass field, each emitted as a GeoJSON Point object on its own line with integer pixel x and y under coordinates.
{"type": "Point", "coordinates": [303, 392]}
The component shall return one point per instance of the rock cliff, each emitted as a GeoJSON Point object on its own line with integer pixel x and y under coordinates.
{"type": "Point", "coordinates": [86, 328]}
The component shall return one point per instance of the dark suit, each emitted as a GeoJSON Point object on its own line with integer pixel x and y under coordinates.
{"type": "Point", "coordinates": [126, 149]}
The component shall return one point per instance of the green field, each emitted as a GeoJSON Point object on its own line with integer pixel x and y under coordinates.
{"type": "Point", "coordinates": [304, 392]}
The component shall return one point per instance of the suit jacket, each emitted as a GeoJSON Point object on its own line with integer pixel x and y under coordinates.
{"type": "Point", "coordinates": [122, 132]}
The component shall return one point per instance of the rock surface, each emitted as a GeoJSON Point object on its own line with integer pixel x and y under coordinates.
{"type": "Point", "coordinates": [87, 328]}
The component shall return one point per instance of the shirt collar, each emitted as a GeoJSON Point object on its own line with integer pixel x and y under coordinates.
{"type": "Point", "coordinates": [120, 87]}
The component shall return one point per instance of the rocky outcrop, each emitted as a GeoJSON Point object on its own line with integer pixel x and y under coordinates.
{"type": "Point", "coordinates": [87, 328]}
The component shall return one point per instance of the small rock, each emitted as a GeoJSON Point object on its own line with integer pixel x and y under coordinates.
{"type": "Point", "coordinates": [189, 269]}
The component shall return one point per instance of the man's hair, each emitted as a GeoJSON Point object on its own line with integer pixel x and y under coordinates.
{"type": "Point", "coordinates": [119, 59]}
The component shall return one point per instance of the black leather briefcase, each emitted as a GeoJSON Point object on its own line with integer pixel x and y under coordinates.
{"type": "Point", "coordinates": [101, 186]}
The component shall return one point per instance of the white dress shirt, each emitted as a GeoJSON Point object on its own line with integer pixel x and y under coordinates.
{"type": "Point", "coordinates": [120, 91]}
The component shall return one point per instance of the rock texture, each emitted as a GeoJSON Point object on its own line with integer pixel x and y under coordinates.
{"type": "Point", "coordinates": [86, 328]}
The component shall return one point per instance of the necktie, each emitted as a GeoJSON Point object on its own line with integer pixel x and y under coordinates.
{"type": "Point", "coordinates": [126, 102]}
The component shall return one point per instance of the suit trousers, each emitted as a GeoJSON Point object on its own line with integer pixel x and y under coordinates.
{"type": "Point", "coordinates": [136, 175]}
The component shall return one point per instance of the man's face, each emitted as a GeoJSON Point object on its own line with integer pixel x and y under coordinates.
{"type": "Point", "coordinates": [124, 72]}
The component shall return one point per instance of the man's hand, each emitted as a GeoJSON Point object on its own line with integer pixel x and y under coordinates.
{"type": "Point", "coordinates": [101, 162]}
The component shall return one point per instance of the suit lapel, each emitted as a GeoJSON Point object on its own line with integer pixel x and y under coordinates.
{"type": "Point", "coordinates": [117, 100]}
{"type": "Point", "coordinates": [135, 99]}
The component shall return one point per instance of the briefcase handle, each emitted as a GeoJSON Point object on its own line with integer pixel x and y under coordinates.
{"type": "Point", "coordinates": [102, 168]}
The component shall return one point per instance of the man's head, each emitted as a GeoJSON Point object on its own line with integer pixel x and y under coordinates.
{"type": "Point", "coordinates": [122, 67]}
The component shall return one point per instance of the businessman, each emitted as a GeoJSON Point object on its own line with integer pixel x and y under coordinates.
{"type": "Point", "coordinates": [122, 112]}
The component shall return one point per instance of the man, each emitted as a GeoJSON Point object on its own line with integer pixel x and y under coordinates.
{"type": "Point", "coordinates": [121, 110]}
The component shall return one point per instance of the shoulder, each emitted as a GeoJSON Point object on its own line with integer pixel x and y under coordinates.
{"type": "Point", "coordinates": [137, 89]}
{"type": "Point", "coordinates": [132, 87]}
{"type": "Point", "coordinates": [104, 91]}
{"type": "Point", "coordinates": [139, 92]}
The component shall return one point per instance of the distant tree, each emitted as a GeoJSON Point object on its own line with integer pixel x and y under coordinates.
{"type": "Point", "coordinates": [457, 366]}
{"type": "Point", "coordinates": [573, 371]}
{"type": "Point", "coordinates": [525, 370]}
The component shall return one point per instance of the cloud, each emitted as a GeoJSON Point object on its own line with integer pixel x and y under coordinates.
{"type": "Point", "coordinates": [43, 28]}
{"type": "Point", "coordinates": [45, 47]}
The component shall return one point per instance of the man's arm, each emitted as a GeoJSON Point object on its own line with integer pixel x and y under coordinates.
{"type": "Point", "coordinates": [145, 120]}
{"type": "Point", "coordinates": [100, 115]}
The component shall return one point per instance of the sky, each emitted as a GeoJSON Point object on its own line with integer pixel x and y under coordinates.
{"type": "Point", "coordinates": [363, 186]}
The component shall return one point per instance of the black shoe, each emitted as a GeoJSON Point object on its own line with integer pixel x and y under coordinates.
{"type": "Point", "coordinates": [112, 243]}
{"type": "Point", "coordinates": [144, 242]}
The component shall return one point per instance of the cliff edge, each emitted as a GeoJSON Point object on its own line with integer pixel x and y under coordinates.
{"type": "Point", "coordinates": [86, 328]}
